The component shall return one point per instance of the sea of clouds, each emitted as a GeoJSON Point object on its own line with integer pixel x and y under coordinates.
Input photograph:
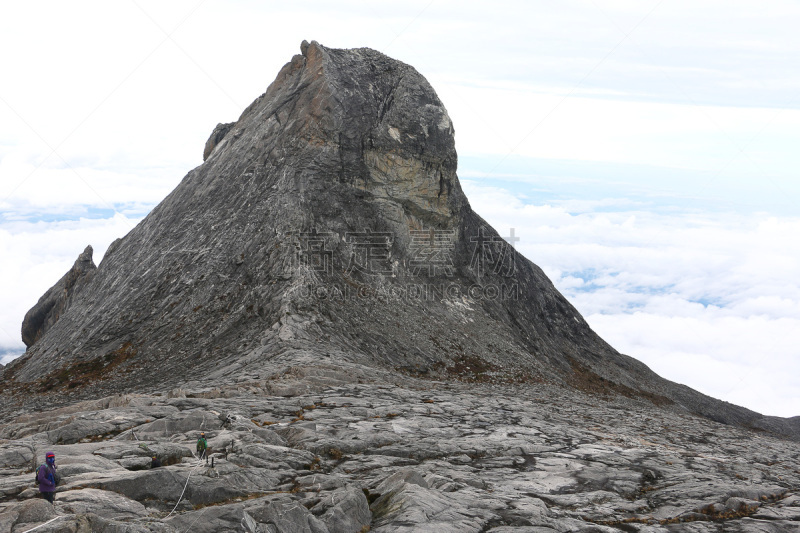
{"type": "Point", "coordinates": [708, 299]}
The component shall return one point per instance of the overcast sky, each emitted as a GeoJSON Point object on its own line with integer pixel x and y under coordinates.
{"type": "Point", "coordinates": [644, 151]}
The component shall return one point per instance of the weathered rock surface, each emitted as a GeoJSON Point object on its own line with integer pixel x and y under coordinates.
{"type": "Point", "coordinates": [406, 455]}
{"type": "Point", "coordinates": [216, 138]}
{"type": "Point", "coordinates": [103, 503]}
{"type": "Point", "coordinates": [57, 299]}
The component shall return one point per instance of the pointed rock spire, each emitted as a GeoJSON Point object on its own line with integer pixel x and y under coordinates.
{"type": "Point", "coordinates": [57, 299]}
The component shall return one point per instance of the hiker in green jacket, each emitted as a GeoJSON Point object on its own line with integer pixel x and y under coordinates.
{"type": "Point", "coordinates": [202, 446]}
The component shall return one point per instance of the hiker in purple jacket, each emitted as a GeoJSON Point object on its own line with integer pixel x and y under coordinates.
{"type": "Point", "coordinates": [47, 478]}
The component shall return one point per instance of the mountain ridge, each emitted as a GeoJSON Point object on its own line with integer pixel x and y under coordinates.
{"type": "Point", "coordinates": [328, 223]}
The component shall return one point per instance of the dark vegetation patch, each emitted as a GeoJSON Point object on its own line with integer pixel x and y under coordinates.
{"type": "Point", "coordinates": [335, 454]}
{"type": "Point", "coordinates": [587, 381]}
{"type": "Point", "coordinates": [470, 369]}
{"type": "Point", "coordinates": [82, 373]}
{"type": "Point", "coordinates": [371, 496]}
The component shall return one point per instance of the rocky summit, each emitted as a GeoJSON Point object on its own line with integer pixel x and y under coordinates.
{"type": "Point", "coordinates": [362, 350]}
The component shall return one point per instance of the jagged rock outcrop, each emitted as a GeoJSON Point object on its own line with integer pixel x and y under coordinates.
{"type": "Point", "coordinates": [216, 137]}
{"type": "Point", "coordinates": [327, 224]}
{"type": "Point", "coordinates": [57, 299]}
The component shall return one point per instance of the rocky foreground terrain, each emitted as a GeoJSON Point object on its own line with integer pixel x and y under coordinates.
{"type": "Point", "coordinates": [338, 448]}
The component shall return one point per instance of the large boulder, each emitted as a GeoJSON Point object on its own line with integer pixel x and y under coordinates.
{"type": "Point", "coordinates": [288, 516]}
{"type": "Point", "coordinates": [200, 485]}
{"type": "Point", "coordinates": [17, 454]}
{"type": "Point", "coordinates": [95, 424]}
{"type": "Point", "coordinates": [344, 511]}
{"type": "Point", "coordinates": [213, 519]}
{"type": "Point", "coordinates": [100, 502]}
{"type": "Point", "coordinates": [31, 512]}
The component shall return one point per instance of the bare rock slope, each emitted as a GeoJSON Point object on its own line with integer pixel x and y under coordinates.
{"type": "Point", "coordinates": [363, 352]}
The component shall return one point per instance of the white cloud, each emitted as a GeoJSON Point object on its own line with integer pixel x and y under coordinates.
{"type": "Point", "coordinates": [711, 301]}
{"type": "Point", "coordinates": [56, 189]}
{"type": "Point", "coordinates": [747, 360]}
{"type": "Point", "coordinates": [548, 125]}
{"type": "Point", "coordinates": [36, 255]}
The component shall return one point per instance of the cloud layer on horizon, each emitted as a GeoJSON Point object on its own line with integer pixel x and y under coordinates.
{"type": "Point", "coordinates": [37, 255]}
{"type": "Point", "coordinates": [710, 300]}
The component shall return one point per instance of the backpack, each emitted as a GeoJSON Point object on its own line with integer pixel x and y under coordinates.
{"type": "Point", "coordinates": [56, 477]}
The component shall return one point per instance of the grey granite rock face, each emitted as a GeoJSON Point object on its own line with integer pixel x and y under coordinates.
{"type": "Point", "coordinates": [327, 225]}
{"type": "Point", "coordinates": [57, 299]}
